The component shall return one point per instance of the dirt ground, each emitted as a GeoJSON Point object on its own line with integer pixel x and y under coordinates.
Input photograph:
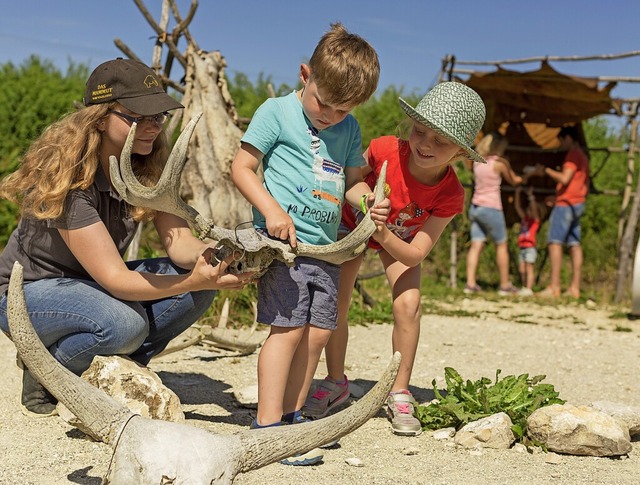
{"type": "Point", "coordinates": [588, 353]}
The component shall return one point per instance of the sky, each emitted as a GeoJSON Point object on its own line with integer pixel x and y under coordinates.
{"type": "Point", "coordinates": [273, 38]}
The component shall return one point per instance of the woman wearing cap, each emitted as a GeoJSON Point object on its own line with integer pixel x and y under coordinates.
{"type": "Point", "coordinates": [425, 195]}
{"type": "Point", "coordinates": [83, 299]}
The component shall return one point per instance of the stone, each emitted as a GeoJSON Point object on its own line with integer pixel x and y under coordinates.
{"type": "Point", "coordinates": [491, 432]}
{"type": "Point", "coordinates": [247, 396]}
{"type": "Point", "coordinates": [135, 386]}
{"type": "Point", "coordinates": [444, 434]}
{"type": "Point", "coordinates": [628, 415]}
{"type": "Point", "coordinates": [578, 430]}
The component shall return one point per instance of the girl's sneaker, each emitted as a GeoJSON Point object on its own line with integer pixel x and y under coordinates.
{"type": "Point", "coordinates": [328, 395]}
{"type": "Point", "coordinates": [400, 412]}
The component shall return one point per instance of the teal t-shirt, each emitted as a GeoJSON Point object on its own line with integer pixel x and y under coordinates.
{"type": "Point", "coordinates": [303, 167]}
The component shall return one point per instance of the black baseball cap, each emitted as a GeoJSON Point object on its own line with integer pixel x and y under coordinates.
{"type": "Point", "coordinates": [132, 84]}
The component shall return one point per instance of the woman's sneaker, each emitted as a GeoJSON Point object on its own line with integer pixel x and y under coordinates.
{"type": "Point", "coordinates": [327, 396]}
{"type": "Point", "coordinates": [470, 290]}
{"type": "Point", "coordinates": [400, 412]}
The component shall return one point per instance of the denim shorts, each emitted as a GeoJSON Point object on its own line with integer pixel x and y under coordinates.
{"type": "Point", "coordinates": [528, 255]}
{"type": "Point", "coordinates": [304, 293]}
{"type": "Point", "coordinates": [564, 225]}
{"type": "Point", "coordinates": [486, 221]}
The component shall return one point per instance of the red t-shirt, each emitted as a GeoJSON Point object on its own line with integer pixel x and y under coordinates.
{"type": "Point", "coordinates": [575, 192]}
{"type": "Point", "coordinates": [411, 201]}
{"type": "Point", "coordinates": [528, 230]}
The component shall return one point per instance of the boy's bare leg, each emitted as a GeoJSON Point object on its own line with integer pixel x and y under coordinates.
{"type": "Point", "coordinates": [274, 365]}
{"type": "Point", "coordinates": [303, 366]}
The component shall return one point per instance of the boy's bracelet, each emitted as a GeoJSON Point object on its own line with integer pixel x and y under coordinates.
{"type": "Point", "coordinates": [363, 203]}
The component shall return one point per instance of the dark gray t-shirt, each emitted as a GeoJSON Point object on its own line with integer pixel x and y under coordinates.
{"type": "Point", "coordinates": [37, 244]}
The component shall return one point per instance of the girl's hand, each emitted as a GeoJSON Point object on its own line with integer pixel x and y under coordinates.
{"type": "Point", "coordinates": [379, 212]}
{"type": "Point", "coordinates": [281, 225]}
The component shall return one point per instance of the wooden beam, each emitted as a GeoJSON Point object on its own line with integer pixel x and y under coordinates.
{"type": "Point", "coordinates": [550, 58]}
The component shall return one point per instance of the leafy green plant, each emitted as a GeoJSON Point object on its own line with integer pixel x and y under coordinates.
{"type": "Point", "coordinates": [468, 401]}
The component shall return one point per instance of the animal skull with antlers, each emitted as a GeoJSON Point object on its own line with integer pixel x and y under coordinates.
{"type": "Point", "coordinates": [257, 252]}
{"type": "Point", "coordinates": [149, 451]}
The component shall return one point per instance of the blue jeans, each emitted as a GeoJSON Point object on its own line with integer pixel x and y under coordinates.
{"type": "Point", "coordinates": [486, 221]}
{"type": "Point", "coordinates": [77, 319]}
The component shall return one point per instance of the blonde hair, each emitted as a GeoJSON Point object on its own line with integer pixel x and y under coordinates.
{"type": "Point", "coordinates": [345, 66]}
{"type": "Point", "coordinates": [493, 143]}
{"type": "Point", "coordinates": [65, 158]}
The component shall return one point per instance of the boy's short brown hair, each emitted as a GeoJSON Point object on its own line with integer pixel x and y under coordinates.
{"type": "Point", "coordinates": [345, 67]}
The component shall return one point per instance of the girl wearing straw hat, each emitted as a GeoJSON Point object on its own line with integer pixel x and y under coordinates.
{"type": "Point", "coordinates": [425, 195]}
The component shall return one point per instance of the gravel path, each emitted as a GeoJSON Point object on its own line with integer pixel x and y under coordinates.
{"type": "Point", "coordinates": [585, 352]}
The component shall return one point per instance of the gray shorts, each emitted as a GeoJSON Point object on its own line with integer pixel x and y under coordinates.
{"type": "Point", "coordinates": [304, 293]}
{"type": "Point", "coordinates": [528, 255]}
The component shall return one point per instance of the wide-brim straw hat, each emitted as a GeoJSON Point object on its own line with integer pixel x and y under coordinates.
{"type": "Point", "coordinates": [453, 110]}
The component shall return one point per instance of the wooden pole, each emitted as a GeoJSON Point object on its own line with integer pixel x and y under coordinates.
{"type": "Point", "coordinates": [628, 236]}
{"type": "Point", "coordinates": [551, 58]}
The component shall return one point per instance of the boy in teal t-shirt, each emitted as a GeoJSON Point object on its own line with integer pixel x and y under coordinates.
{"type": "Point", "coordinates": [311, 152]}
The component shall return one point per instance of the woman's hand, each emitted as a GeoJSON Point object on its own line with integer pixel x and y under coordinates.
{"type": "Point", "coordinates": [212, 273]}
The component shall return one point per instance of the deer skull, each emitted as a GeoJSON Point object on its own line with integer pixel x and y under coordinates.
{"type": "Point", "coordinates": [257, 252]}
{"type": "Point", "coordinates": [149, 451]}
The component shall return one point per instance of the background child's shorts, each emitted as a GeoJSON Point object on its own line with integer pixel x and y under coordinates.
{"type": "Point", "coordinates": [305, 293]}
{"type": "Point", "coordinates": [528, 255]}
{"type": "Point", "coordinates": [564, 225]}
{"type": "Point", "coordinates": [486, 221]}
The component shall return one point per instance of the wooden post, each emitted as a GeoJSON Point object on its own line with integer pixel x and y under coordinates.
{"type": "Point", "coordinates": [453, 255]}
{"type": "Point", "coordinates": [628, 236]}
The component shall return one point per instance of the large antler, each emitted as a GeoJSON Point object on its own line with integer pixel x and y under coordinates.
{"type": "Point", "coordinates": [257, 251]}
{"type": "Point", "coordinates": [150, 451]}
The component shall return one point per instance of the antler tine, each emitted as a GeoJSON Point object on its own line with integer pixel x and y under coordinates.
{"type": "Point", "coordinates": [164, 196]}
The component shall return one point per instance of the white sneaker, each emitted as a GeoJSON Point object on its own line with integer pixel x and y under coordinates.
{"type": "Point", "coordinates": [525, 292]}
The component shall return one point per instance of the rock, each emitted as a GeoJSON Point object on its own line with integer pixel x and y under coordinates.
{"type": "Point", "coordinates": [409, 451]}
{"type": "Point", "coordinates": [444, 434]}
{"type": "Point", "coordinates": [581, 430]}
{"type": "Point", "coordinates": [553, 458]}
{"type": "Point", "coordinates": [519, 448]}
{"type": "Point", "coordinates": [135, 386]}
{"type": "Point", "coordinates": [490, 432]}
{"type": "Point", "coordinates": [353, 461]}
{"type": "Point", "coordinates": [627, 415]}
{"type": "Point", "coordinates": [247, 396]}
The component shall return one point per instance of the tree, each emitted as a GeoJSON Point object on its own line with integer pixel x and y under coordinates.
{"type": "Point", "coordinates": [33, 95]}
